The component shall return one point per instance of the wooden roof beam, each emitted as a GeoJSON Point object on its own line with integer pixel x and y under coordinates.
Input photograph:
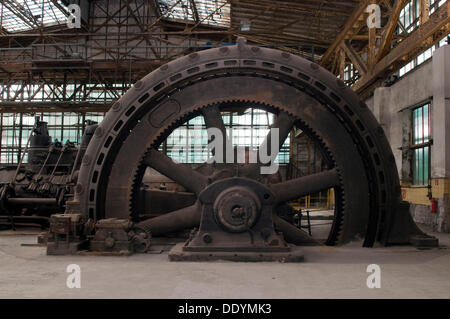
{"type": "Point", "coordinates": [438, 23]}
{"type": "Point", "coordinates": [354, 57]}
{"type": "Point", "coordinates": [390, 28]}
{"type": "Point", "coordinates": [360, 9]}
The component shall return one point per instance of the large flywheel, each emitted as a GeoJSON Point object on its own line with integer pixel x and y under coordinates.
{"type": "Point", "coordinates": [360, 166]}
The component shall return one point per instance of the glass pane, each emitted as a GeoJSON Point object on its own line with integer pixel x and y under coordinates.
{"type": "Point", "coordinates": [188, 143]}
{"type": "Point", "coordinates": [426, 165]}
{"type": "Point", "coordinates": [420, 167]}
{"type": "Point", "coordinates": [416, 168]}
{"type": "Point", "coordinates": [415, 123]}
{"type": "Point", "coordinates": [420, 125]}
{"type": "Point", "coordinates": [426, 123]}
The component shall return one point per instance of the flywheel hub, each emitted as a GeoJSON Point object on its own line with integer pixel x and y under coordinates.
{"type": "Point", "coordinates": [237, 209]}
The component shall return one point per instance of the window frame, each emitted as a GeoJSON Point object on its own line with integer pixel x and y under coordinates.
{"type": "Point", "coordinates": [16, 128]}
{"type": "Point", "coordinates": [246, 130]}
{"type": "Point", "coordinates": [422, 145]}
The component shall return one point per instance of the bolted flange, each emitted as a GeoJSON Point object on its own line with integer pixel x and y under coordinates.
{"type": "Point", "coordinates": [237, 209]}
{"type": "Point", "coordinates": [236, 224]}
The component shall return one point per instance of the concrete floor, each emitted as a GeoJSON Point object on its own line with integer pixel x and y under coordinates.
{"type": "Point", "coordinates": [406, 272]}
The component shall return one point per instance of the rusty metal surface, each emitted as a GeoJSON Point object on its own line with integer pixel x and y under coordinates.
{"type": "Point", "coordinates": [361, 165]}
{"type": "Point", "coordinates": [294, 255]}
{"type": "Point", "coordinates": [236, 217]}
{"type": "Point", "coordinates": [66, 235]}
{"type": "Point", "coordinates": [118, 236]}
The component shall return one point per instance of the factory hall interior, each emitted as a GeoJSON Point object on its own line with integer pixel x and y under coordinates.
{"type": "Point", "coordinates": [217, 149]}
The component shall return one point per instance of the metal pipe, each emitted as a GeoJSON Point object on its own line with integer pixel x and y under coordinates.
{"type": "Point", "coordinates": [38, 201]}
{"type": "Point", "coordinates": [57, 163]}
{"type": "Point", "coordinates": [36, 178]}
{"type": "Point", "coordinates": [23, 155]}
{"type": "Point", "coordinates": [26, 217]}
{"type": "Point", "coordinates": [184, 218]}
{"type": "Point", "coordinates": [77, 159]}
{"type": "Point", "coordinates": [293, 234]}
{"type": "Point", "coordinates": [21, 224]}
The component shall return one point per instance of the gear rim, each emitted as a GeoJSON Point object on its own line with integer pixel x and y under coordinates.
{"type": "Point", "coordinates": [315, 80]}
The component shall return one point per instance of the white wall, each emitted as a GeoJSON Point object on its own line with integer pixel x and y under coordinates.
{"type": "Point", "coordinates": [387, 103]}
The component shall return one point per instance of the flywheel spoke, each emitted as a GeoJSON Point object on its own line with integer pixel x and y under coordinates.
{"type": "Point", "coordinates": [187, 217]}
{"type": "Point", "coordinates": [213, 120]}
{"type": "Point", "coordinates": [187, 177]}
{"type": "Point", "coordinates": [284, 124]}
{"type": "Point", "coordinates": [298, 187]}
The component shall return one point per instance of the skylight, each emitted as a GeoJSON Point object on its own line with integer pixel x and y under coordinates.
{"type": "Point", "coordinates": [23, 15]}
{"type": "Point", "coordinates": [206, 12]}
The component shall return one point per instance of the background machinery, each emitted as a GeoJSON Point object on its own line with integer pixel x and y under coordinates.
{"type": "Point", "coordinates": [43, 179]}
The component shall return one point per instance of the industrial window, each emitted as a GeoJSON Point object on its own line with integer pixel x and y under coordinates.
{"type": "Point", "coordinates": [22, 15]}
{"type": "Point", "coordinates": [187, 143]}
{"type": "Point", "coordinates": [409, 17]}
{"type": "Point", "coordinates": [16, 128]}
{"type": "Point", "coordinates": [435, 4]}
{"type": "Point", "coordinates": [421, 143]}
{"type": "Point", "coordinates": [424, 56]}
{"type": "Point", "coordinates": [351, 74]}
{"type": "Point", "coordinates": [206, 12]}
{"type": "Point", "coordinates": [44, 92]}
{"type": "Point", "coordinates": [409, 21]}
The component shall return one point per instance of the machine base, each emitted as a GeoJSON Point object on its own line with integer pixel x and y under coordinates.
{"type": "Point", "coordinates": [424, 241]}
{"type": "Point", "coordinates": [178, 254]}
{"type": "Point", "coordinates": [65, 248]}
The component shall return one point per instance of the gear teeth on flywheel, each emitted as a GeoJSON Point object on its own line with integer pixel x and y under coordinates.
{"type": "Point", "coordinates": [140, 171]}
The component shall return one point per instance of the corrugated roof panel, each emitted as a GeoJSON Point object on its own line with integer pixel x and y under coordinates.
{"type": "Point", "coordinates": [210, 12]}
{"type": "Point", "coordinates": [33, 13]}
